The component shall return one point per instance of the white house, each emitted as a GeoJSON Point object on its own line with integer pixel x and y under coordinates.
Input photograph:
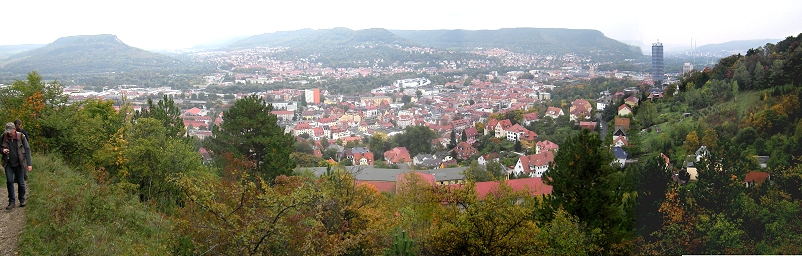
{"type": "Point", "coordinates": [554, 112]}
{"type": "Point", "coordinates": [483, 160]}
{"type": "Point", "coordinates": [515, 132]}
{"type": "Point", "coordinates": [534, 165]}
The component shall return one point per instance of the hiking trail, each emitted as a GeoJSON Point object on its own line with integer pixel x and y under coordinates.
{"type": "Point", "coordinates": [12, 222]}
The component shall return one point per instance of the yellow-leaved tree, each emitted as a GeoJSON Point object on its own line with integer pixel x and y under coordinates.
{"type": "Point", "coordinates": [691, 143]}
{"type": "Point", "coordinates": [240, 213]}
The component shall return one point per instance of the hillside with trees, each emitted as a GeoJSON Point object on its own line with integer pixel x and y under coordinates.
{"type": "Point", "coordinates": [339, 47]}
{"type": "Point", "coordinates": [734, 46]}
{"type": "Point", "coordinates": [343, 47]}
{"type": "Point", "coordinates": [527, 40]}
{"type": "Point", "coordinates": [87, 54]}
{"type": "Point", "coordinates": [311, 38]}
{"type": "Point", "coordinates": [742, 110]}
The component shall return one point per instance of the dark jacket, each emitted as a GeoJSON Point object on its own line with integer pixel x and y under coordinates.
{"type": "Point", "coordinates": [23, 131]}
{"type": "Point", "coordinates": [23, 150]}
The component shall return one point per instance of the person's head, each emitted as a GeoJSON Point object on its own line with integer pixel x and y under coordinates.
{"type": "Point", "coordinates": [10, 128]}
{"type": "Point", "coordinates": [18, 124]}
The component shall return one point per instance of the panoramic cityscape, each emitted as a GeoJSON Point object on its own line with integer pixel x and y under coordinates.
{"type": "Point", "coordinates": [404, 129]}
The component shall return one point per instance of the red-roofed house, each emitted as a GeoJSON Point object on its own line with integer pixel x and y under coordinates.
{"type": "Point", "coordinates": [501, 128]}
{"type": "Point", "coordinates": [471, 133]}
{"type": "Point", "coordinates": [655, 95]}
{"type": "Point", "coordinates": [579, 113]}
{"type": "Point", "coordinates": [554, 112]}
{"type": "Point", "coordinates": [465, 150]}
{"type": "Point", "coordinates": [363, 158]}
{"type": "Point", "coordinates": [515, 132]}
{"type": "Point", "coordinates": [756, 178]}
{"type": "Point", "coordinates": [327, 121]}
{"type": "Point", "coordinates": [195, 125]}
{"type": "Point", "coordinates": [318, 133]}
{"type": "Point", "coordinates": [483, 160]}
{"type": "Point", "coordinates": [620, 141]}
{"type": "Point", "coordinates": [192, 112]}
{"type": "Point", "coordinates": [624, 110]}
{"type": "Point", "coordinates": [345, 140]}
{"type": "Point", "coordinates": [580, 103]}
{"type": "Point", "coordinates": [302, 128]}
{"type": "Point", "coordinates": [205, 155]}
{"type": "Point", "coordinates": [283, 114]}
{"type": "Point", "coordinates": [631, 101]}
{"type": "Point", "coordinates": [397, 155]}
{"type": "Point", "coordinates": [528, 139]}
{"type": "Point", "coordinates": [534, 165]}
{"type": "Point", "coordinates": [490, 125]}
{"type": "Point", "coordinates": [531, 117]}
{"type": "Point", "coordinates": [588, 125]}
{"type": "Point", "coordinates": [546, 146]}
{"type": "Point", "coordinates": [460, 125]}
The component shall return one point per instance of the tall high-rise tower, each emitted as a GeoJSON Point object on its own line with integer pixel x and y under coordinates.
{"type": "Point", "coordinates": [657, 63]}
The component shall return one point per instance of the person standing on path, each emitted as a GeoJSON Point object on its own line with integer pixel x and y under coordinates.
{"type": "Point", "coordinates": [18, 125]}
{"type": "Point", "coordinates": [16, 154]}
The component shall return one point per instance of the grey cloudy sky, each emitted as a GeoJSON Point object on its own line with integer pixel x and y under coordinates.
{"type": "Point", "coordinates": [168, 24]}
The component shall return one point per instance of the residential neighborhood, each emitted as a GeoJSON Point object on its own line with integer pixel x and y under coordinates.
{"type": "Point", "coordinates": [511, 118]}
{"type": "Point", "coordinates": [472, 118]}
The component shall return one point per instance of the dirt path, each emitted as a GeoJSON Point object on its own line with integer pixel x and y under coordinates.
{"type": "Point", "coordinates": [11, 224]}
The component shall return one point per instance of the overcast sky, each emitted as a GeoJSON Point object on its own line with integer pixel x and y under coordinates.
{"type": "Point", "coordinates": [168, 24]}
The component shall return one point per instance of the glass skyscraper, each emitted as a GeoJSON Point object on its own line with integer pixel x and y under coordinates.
{"type": "Point", "coordinates": [657, 63]}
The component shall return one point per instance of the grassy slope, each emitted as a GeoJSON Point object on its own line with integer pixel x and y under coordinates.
{"type": "Point", "coordinates": [70, 214]}
{"type": "Point", "coordinates": [740, 104]}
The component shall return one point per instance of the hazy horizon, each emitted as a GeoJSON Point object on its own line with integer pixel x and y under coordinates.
{"type": "Point", "coordinates": [173, 25]}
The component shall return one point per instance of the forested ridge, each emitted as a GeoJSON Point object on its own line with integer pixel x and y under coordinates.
{"type": "Point", "coordinates": [246, 203]}
{"type": "Point", "coordinates": [529, 40]}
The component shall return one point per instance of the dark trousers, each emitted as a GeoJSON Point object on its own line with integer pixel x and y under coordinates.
{"type": "Point", "coordinates": [15, 174]}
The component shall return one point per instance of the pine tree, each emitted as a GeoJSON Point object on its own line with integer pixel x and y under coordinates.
{"type": "Point", "coordinates": [168, 113]}
{"type": "Point", "coordinates": [583, 185]}
{"type": "Point", "coordinates": [250, 130]}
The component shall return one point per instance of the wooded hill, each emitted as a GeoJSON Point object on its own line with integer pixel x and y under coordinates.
{"type": "Point", "coordinates": [738, 45]}
{"type": "Point", "coordinates": [743, 109]}
{"type": "Point", "coordinates": [322, 38]}
{"type": "Point", "coordinates": [87, 54]}
{"type": "Point", "coordinates": [342, 47]}
{"type": "Point", "coordinates": [531, 40]}
{"type": "Point", "coordinates": [526, 40]}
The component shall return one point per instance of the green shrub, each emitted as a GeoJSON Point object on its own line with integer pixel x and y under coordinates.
{"type": "Point", "coordinates": [70, 214]}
